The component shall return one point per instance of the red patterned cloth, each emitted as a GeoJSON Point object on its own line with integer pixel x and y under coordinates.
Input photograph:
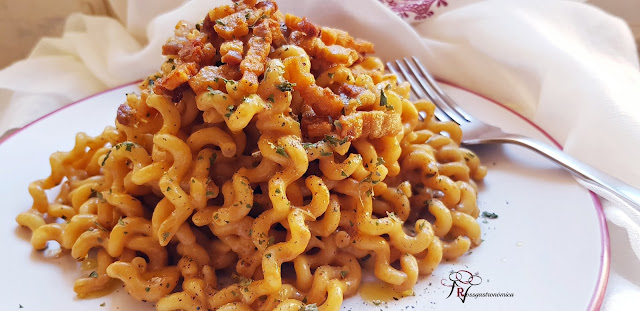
{"type": "Point", "coordinates": [414, 10]}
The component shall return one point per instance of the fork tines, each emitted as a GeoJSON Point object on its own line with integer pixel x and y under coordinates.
{"type": "Point", "coordinates": [423, 85]}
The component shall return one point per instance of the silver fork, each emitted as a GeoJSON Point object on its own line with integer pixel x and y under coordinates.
{"type": "Point", "coordinates": [477, 132]}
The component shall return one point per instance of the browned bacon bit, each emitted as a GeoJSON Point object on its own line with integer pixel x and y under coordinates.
{"type": "Point", "coordinates": [181, 74]}
{"type": "Point", "coordinates": [267, 7]}
{"type": "Point", "coordinates": [232, 26]}
{"type": "Point", "coordinates": [302, 25]}
{"type": "Point", "coordinates": [214, 77]}
{"type": "Point", "coordinates": [220, 12]}
{"type": "Point", "coordinates": [313, 126]}
{"type": "Point", "coordinates": [351, 90]}
{"type": "Point", "coordinates": [316, 48]}
{"type": "Point", "coordinates": [252, 65]}
{"type": "Point", "coordinates": [278, 38]}
{"type": "Point", "coordinates": [370, 124]}
{"type": "Point", "coordinates": [125, 115]}
{"type": "Point", "coordinates": [175, 43]}
{"type": "Point", "coordinates": [197, 52]}
{"type": "Point", "coordinates": [231, 52]}
{"type": "Point", "coordinates": [331, 36]}
{"type": "Point", "coordinates": [322, 100]}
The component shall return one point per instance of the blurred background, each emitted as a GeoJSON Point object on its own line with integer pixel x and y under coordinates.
{"type": "Point", "coordinates": [23, 23]}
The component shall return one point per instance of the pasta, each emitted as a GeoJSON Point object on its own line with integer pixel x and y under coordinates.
{"type": "Point", "coordinates": [257, 170]}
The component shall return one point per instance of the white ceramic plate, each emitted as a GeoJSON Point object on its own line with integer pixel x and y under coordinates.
{"type": "Point", "coordinates": [549, 246]}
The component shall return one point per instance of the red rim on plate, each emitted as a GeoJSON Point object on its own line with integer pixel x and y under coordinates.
{"type": "Point", "coordinates": [605, 253]}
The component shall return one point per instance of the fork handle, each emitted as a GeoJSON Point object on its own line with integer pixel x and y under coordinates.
{"type": "Point", "coordinates": [599, 182]}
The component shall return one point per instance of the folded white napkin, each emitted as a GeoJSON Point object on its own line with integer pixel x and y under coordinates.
{"type": "Point", "coordinates": [569, 67]}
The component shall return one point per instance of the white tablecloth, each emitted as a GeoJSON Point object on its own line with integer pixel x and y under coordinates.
{"type": "Point", "coordinates": [568, 66]}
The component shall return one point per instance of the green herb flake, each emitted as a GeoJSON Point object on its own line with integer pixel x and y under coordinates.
{"type": "Point", "coordinates": [105, 158]}
{"type": "Point", "coordinates": [286, 86]}
{"type": "Point", "coordinates": [338, 124]}
{"type": "Point", "coordinates": [147, 289]}
{"type": "Point", "coordinates": [422, 225]}
{"type": "Point", "coordinates": [271, 98]}
{"type": "Point", "coordinates": [342, 173]}
{"type": "Point", "coordinates": [168, 188]}
{"type": "Point", "coordinates": [310, 307]}
{"type": "Point", "coordinates": [93, 274]}
{"type": "Point", "coordinates": [267, 255]}
{"type": "Point", "coordinates": [383, 101]}
{"type": "Point", "coordinates": [308, 145]}
{"type": "Point", "coordinates": [272, 240]}
{"type": "Point", "coordinates": [209, 193]}
{"type": "Point", "coordinates": [165, 235]}
{"type": "Point", "coordinates": [249, 206]}
{"type": "Point", "coordinates": [325, 154]}
{"type": "Point", "coordinates": [219, 22]}
{"type": "Point", "coordinates": [331, 74]}
{"type": "Point", "coordinates": [489, 215]}
{"type": "Point", "coordinates": [120, 222]}
{"type": "Point", "coordinates": [278, 190]}
{"type": "Point", "coordinates": [231, 109]}
{"type": "Point", "coordinates": [280, 150]}
{"type": "Point", "coordinates": [212, 159]}
{"type": "Point", "coordinates": [343, 273]}
{"type": "Point", "coordinates": [380, 161]}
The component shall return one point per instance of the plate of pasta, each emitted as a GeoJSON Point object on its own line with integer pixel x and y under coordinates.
{"type": "Point", "coordinates": [271, 163]}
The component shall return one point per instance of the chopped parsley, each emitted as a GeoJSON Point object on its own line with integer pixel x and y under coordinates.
{"type": "Point", "coordinates": [380, 161]}
{"type": "Point", "coordinates": [271, 98]}
{"type": "Point", "coordinates": [147, 289]}
{"type": "Point", "coordinates": [310, 307]}
{"type": "Point", "coordinates": [334, 141]}
{"type": "Point", "coordinates": [489, 215]}
{"type": "Point", "coordinates": [280, 150]}
{"type": "Point", "coordinates": [93, 274]}
{"type": "Point", "coordinates": [383, 101]}
{"type": "Point", "coordinates": [325, 154]}
{"type": "Point", "coordinates": [212, 159]}
{"type": "Point", "coordinates": [165, 236]}
{"type": "Point", "coordinates": [127, 145]}
{"type": "Point", "coordinates": [331, 74]}
{"type": "Point", "coordinates": [105, 158]}
{"type": "Point", "coordinates": [120, 222]}
{"type": "Point", "coordinates": [209, 193]}
{"type": "Point", "coordinates": [343, 273]}
{"type": "Point", "coordinates": [338, 124]}
{"type": "Point", "coordinates": [286, 86]}
{"type": "Point", "coordinates": [231, 109]}
{"type": "Point", "coordinates": [219, 22]}
{"type": "Point", "coordinates": [267, 255]}
{"type": "Point", "coordinates": [342, 173]}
